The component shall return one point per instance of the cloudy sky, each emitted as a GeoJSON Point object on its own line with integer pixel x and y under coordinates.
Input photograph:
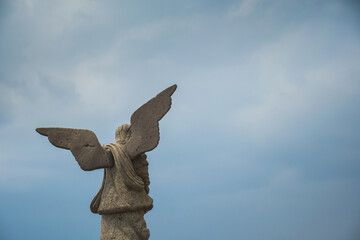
{"type": "Point", "coordinates": [262, 141]}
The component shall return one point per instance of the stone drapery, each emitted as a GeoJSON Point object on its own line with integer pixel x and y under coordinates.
{"type": "Point", "coordinates": [123, 198]}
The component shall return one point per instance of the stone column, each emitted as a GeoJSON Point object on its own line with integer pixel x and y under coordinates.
{"type": "Point", "coordinates": [124, 226]}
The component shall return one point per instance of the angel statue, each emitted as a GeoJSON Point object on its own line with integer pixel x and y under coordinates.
{"type": "Point", "coordinates": [123, 197]}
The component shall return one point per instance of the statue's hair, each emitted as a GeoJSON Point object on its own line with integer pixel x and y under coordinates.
{"type": "Point", "coordinates": [123, 133]}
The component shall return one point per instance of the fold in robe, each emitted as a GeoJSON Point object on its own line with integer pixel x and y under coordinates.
{"type": "Point", "coordinates": [122, 189]}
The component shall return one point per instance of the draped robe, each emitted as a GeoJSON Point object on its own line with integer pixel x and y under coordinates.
{"type": "Point", "coordinates": [123, 197]}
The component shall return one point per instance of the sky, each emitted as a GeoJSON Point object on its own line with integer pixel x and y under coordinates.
{"type": "Point", "coordinates": [262, 140]}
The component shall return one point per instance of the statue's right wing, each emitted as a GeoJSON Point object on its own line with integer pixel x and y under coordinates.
{"type": "Point", "coordinates": [144, 128]}
{"type": "Point", "coordinates": [82, 143]}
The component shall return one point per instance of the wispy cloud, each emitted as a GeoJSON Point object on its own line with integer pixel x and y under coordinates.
{"type": "Point", "coordinates": [293, 88]}
{"type": "Point", "coordinates": [243, 8]}
{"type": "Point", "coordinates": [248, 84]}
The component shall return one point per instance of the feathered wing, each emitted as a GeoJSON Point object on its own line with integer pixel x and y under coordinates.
{"type": "Point", "coordinates": [82, 143]}
{"type": "Point", "coordinates": [145, 133]}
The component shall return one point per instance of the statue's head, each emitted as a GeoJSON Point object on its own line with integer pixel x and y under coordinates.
{"type": "Point", "coordinates": [123, 133]}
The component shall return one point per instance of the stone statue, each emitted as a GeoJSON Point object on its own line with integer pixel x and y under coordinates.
{"type": "Point", "coordinates": [123, 197]}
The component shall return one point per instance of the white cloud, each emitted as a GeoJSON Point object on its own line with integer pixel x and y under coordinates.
{"type": "Point", "coordinates": [100, 81]}
{"type": "Point", "coordinates": [243, 8]}
{"type": "Point", "coordinates": [54, 18]}
{"type": "Point", "coordinates": [97, 89]}
{"type": "Point", "coordinates": [95, 83]}
{"type": "Point", "coordinates": [290, 89]}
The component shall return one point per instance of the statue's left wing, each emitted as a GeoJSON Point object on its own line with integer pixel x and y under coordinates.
{"type": "Point", "coordinates": [144, 128]}
{"type": "Point", "coordinates": [82, 143]}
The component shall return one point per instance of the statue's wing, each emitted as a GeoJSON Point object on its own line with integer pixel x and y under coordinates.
{"type": "Point", "coordinates": [82, 143]}
{"type": "Point", "coordinates": [144, 128]}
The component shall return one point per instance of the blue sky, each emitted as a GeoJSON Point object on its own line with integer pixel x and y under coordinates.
{"type": "Point", "coordinates": [262, 141]}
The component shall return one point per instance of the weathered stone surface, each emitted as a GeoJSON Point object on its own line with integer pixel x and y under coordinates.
{"type": "Point", "coordinates": [82, 143]}
{"type": "Point", "coordinates": [145, 134]}
{"type": "Point", "coordinates": [123, 197]}
{"type": "Point", "coordinates": [124, 186]}
{"type": "Point", "coordinates": [129, 225]}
